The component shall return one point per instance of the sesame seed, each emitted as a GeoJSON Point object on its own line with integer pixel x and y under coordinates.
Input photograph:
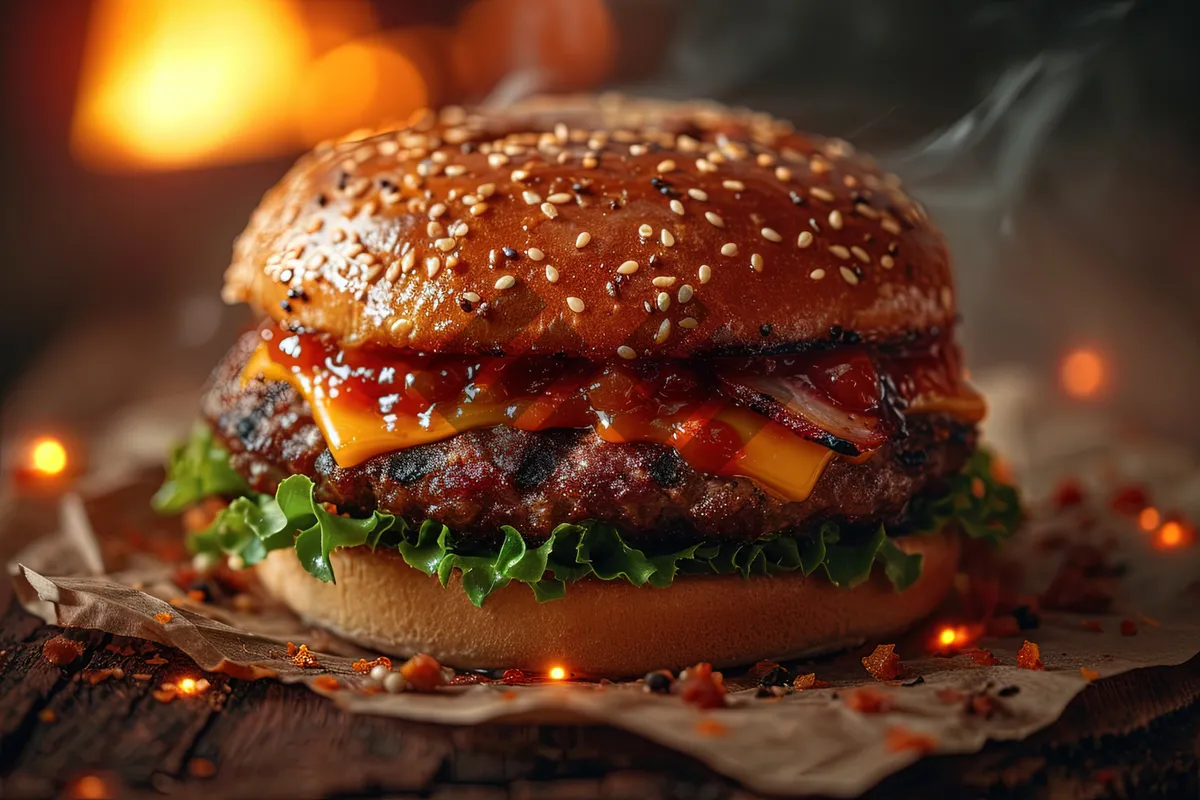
{"type": "Point", "coordinates": [666, 165]}
{"type": "Point", "coordinates": [664, 281]}
{"type": "Point", "coordinates": [770, 234]}
{"type": "Point", "coordinates": [433, 265]}
{"type": "Point", "coordinates": [535, 254]}
{"type": "Point", "coordinates": [478, 208]}
{"type": "Point", "coordinates": [628, 268]}
{"type": "Point", "coordinates": [667, 238]}
{"type": "Point", "coordinates": [471, 297]}
{"type": "Point", "coordinates": [729, 249]}
{"type": "Point", "coordinates": [664, 330]}
{"type": "Point", "coordinates": [581, 241]}
{"type": "Point", "coordinates": [531, 198]}
{"type": "Point", "coordinates": [860, 254]}
{"type": "Point", "coordinates": [575, 304]}
{"type": "Point", "coordinates": [839, 251]}
{"type": "Point", "coordinates": [688, 322]}
{"type": "Point", "coordinates": [434, 230]}
{"type": "Point", "coordinates": [714, 219]}
{"type": "Point", "coordinates": [890, 225]}
{"type": "Point", "coordinates": [756, 262]}
{"type": "Point", "coordinates": [704, 165]}
{"type": "Point", "coordinates": [626, 352]}
{"type": "Point", "coordinates": [645, 231]}
{"type": "Point", "coordinates": [677, 207]}
{"type": "Point", "coordinates": [408, 261]}
{"type": "Point", "coordinates": [558, 198]}
{"type": "Point", "coordinates": [451, 261]}
{"type": "Point", "coordinates": [497, 160]}
{"type": "Point", "coordinates": [835, 220]}
{"type": "Point", "coordinates": [469, 199]}
{"type": "Point", "coordinates": [704, 273]}
{"type": "Point", "coordinates": [698, 194]}
{"type": "Point", "coordinates": [736, 186]}
{"type": "Point", "coordinates": [685, 293]}
{"type": "Point", "coordinates": [848, 276]}
{"type": "Point", "coordinates": [783, 173]}
{"type": "Point", "coordinates": [551, 274]}
{"type": "Point", "coordinates": [590, 162]}
{"type": "Point", "coordinates": [401, 327]}
{"type": "Point", "coordinates": [454, 170]}
{"type": "Point", "coordinates": [436, 210]}
{"type": "Point", "coordinates": [887, 262]}
{"type": "Point", "coordinates": [446, 245]}
{"type": "Point", "coordinates": [817, 274]}
{"type": "Point", "coordinates": [393, 272]}
{"type": "Point", "coordinates": [866, 211]}
{"type": "Point", "coordinates": [821, 194]}
{"type": "Point", "coordinates": [459, 230]}
{"type": "Point", "coordinates": [519, 174]}
{"type": "Point", "coordinates": [506, 282]}
{"type": "Point", "coordinates": [637, 149]}
{"type": "Point", "coordinates": [804, 239]}
{"type": "Point", "coordinates": [549, 210]}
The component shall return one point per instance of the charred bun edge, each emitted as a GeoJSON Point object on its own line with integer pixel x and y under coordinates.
{"type": "Point", "coordinates": [607, 629]}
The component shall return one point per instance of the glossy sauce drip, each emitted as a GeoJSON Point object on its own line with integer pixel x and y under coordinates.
{"type": "Point", "coordinates": [370, 402]}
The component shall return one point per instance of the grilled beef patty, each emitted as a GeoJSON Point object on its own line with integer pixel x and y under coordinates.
{"type": "Point", "coordinates": [477, 481]}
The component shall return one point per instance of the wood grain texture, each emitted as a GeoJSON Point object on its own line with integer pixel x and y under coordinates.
{"type": "Point", "coordinates": [1135, 735]}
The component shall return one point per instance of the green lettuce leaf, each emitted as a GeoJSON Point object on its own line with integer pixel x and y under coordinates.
{"type": "Point", "coordinates": [198, 468]}
{"type": "Point", "coordinates": [251, 526]}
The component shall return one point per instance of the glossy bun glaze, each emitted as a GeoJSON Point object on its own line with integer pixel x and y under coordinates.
{"type": "Point", "coordinates": [593, 227]}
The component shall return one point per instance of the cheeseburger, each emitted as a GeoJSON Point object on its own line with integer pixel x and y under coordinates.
{"type": "Point", "coordinates": [614, 384]}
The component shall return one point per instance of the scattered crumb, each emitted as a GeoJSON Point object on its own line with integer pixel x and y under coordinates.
{"type": "Point", "coordinates": [900, 738]}
{"type": "Point", "coordinates": [809, 681]}
{"type": "Point", "coordinates": [1030, 656]}
{"type": "Point", "coordinates": [1089, 675]}
{"type": "Point", "coordinates": [362, 666]}
{"type": "Point", "coordinates": [197, 596]}
{"type": "Point", "coordinates": [984, 658]}
{"type": "Point", "coordinates": [423, 673]}
{"type": "Point", "coordinates": [302, 657]}
{"type": "Point", "coordinates": [141, 676]}
{"type": "Point", "coordinates": [702, 687]}
{"type": "Point", "coordinates": [156, 661]}
{"type": "Point", "coordinates": [868, 700]}
{"type": "Point", "coordinates": [883, 663]}
{"type": "Point", "coordinates": [710, 727]}
{"type": "Point", "coordinates": [61, 651]}
{"type": "Point", "coordinates": [327, 682]}
{"type": "Point", "coordinates": [163, 617]}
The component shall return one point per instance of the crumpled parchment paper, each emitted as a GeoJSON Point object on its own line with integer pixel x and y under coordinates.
{"type": "Point", "coordinates": [84, 575]}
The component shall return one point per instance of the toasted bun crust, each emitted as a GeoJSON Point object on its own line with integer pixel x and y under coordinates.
{"type": "Point", "coordinates": [397, 238]}
{"type": "Point", "coordinates": [607, 628]}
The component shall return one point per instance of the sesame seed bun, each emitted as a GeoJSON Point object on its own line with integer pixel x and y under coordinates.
{"type": "Point", "coordinates": [592, 227]}
{"type": "Point", "coordinates": [607, 628]}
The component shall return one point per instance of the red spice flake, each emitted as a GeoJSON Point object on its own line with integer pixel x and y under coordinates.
{"type": "Point", "coordinates": [950, 696]}
{"type": "Point", "coordinates": [710, 727]}
{"type": "Point", "coordinates": [809, 681]}
{"type": "Point", "coordinates": [362, 666]}
{"type": "Point", "coordinates": [302, 657]}
{"type": "Point", "coordinates": [47, 715]}
{"type": "Point", "coordinates": [984, 658]}
{"type": "Point", "coordinates": [702, 687]}
{"type": "Point", "coordinates": [1068, 494]}
{"type": "Point", "coordinates": [423, 673]}
{"type": "Point", "coordinates": [1089, 675]}
{"type": "Point", "coordinates": [883, 663]}
{"type": "Point", "coordinates": [1129, 500]}
{"type": "Point", "coordinates": [327, 682]}
{"type": "Point", "coordinates": [514, 677]}
{"type": "Point", "coordinates": [1003, 626]}
{"type": "Point", "coordinates": [762, 668]}
{"type": "Point", "coordinates": [162, 618]}
{"type": "Point", "coordinates": [156, 661]}
{"type": "Point", "coordinates": [201, 768]}
{"type": "Point", "coordinates": [61, 651]}
{"type": "Point", "coordinates": [982, 704]}
{"type": "Point", "coordinates": [1030, 656]}
{"type": "Point", "coordinates": [898, 739]}
{"type": "Point", "coordinates": [1092, 625]}
{"type": "Point", "coordinates": [869, 700]}
{"type": "Point", "coordinates": [1128, 627]}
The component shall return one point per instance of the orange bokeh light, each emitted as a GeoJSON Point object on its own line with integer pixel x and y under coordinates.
{"type": "Point", "coordinates": [187, 686]}
{"type": "Point", "coordinates": [1149, 518]}
{"type": "Point", "coordinates": [557, 673]}
{"type": "Point", "coordinates": [1083, 373]}
{"type": "Point", "coordinates": [947, 637]}
{"type": "Point", "coordinates": [48, 457]}
{"type": "Point", "coordinates": [1172, 534]}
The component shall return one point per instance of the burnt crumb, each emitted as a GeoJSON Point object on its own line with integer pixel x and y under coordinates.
{"type": "Point", "coordinates": [322, 200]}
{"type": "Point", "coordinates": [775, 676]}
{"type": "Point", "coordinates": [410, 465]}
{"type": "Point", "coordinates": [1008, 691]}
{"type": "Point", "coordinates": [286, 306]}
{"type": "Point", "coordinates": [917, 681]}
{"type": "Point", "coordinates": [659, 682]}
{"type": "Point", "coordinates": [851, 337]}
{"type": "Point", "coordinates": [343, 179]}
{"type": "Point", "coordinates": [614, 204]}
{"type": "Point", "coordinates": [297, 294]}
{"type": "Point", "coordinates": [1027, 618]}
{"type": "Point", "coordinates": [388, 185]}
{"type": "Point", "coordinates": [582, 187]}
{"type": "Point", "coordinates": [537, 465]}
{"type": "Point", "coordinates": [664, 187]}
{"type": "Point", "coordinates": [465, 305]}
{"type": "Point", "coordinates": [835, 333]}
{"type": "Point", "coordinates": [667, 469]}
{"type": "Point", "coordinates": [510, 253]}
{"type": "Point", "coordinates": [765, 329]}
{"type": "Point", "coordinates": [796, 197]}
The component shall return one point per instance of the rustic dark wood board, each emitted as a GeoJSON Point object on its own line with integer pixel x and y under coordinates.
{"type": "Point", "coordinates": [269, 740]}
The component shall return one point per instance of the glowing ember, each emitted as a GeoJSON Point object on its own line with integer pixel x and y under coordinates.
{"type": "Point", "coordinates": [48, 456]}
{"type": "Point", "coordinates": [557, 673]}
{"type": "Point", "coordinates": [1149, 518]}
{"type": "Point", "coordinates": [1172, 534]}
{"type": "Point", "coordinates": [1082, 373]}
{"type": "Point", "coordinates": [947, 637]}
{"type": "Point", "coordinates": [187, 686]}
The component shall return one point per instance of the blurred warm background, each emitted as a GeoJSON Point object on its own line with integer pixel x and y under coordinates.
{"type": "Point", "coordinates": [1057, 143]}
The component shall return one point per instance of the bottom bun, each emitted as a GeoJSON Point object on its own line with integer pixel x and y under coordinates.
{"type": "Point", "coordinates": [607, 628]}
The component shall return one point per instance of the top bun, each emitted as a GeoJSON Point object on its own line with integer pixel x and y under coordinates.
{"type": "Point", "coordinates": [592, 227]}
